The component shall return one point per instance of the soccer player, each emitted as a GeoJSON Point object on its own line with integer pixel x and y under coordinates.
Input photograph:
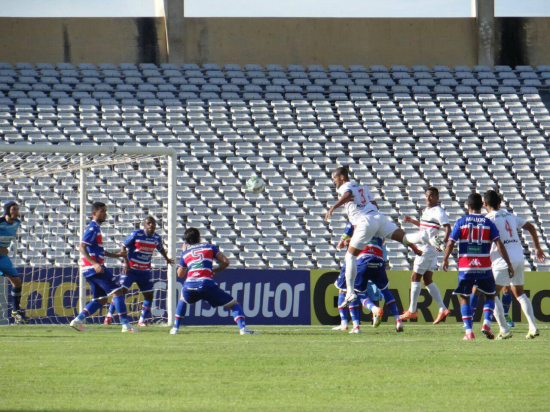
{"type": "Point", "coordinates": [371, 266]}
{"type": "Point", "coordinates": [474, 234]}
{"type": "Point", "coordinates": [140, 246]}
{"type": "Point", "coordinates": [508, 224]}
{"type": "Point", "coordinates": [432, 220]}
{"type": "Point", "coordinates": [9, 223]}
{"type": "Point", "coordinates": [197, 263]}
{"type": "Point", "coordinates": [363, 213]}
{"type": "Point", "coordinates": [101, 280]}
{"type": "Point", "coordinates": [370, 297]}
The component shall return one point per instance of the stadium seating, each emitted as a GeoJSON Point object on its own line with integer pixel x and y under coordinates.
{"type": "Point", "coordinates": [398, 129]}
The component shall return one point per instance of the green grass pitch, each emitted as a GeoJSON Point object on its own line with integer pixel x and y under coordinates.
{"type": "Point", "coordinates": [302, 368]}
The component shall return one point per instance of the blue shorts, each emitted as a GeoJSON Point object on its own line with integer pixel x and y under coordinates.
{"type": "Point", "coordinates": [485, 285]}
{"type": "Point", "coordinates": [142, 278]}
{"type": "Point", "coordinates": [6, 266]}
{"type": "Point", "coordinates": [103, 284]}
{"type": "Point", "coordinates": [209, 291]}
{"type": "Point", "coordinates": [367, 280]}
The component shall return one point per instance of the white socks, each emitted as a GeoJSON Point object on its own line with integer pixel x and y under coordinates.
{"type": "Point", "coordinates": [527, 308]}
{"type": "Point", "coordinates": [351, 272]}
{"type": "Point", "coordinates": [415, 293]}
{"type": "Point", "coordinates": [436, 295]}
{"type": "Point", "coordinates": [499, 316]}
{"type": "Point", "coordinates": [415, 237]}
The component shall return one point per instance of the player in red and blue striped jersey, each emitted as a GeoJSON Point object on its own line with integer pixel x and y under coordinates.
{"type": "Point", "coordinates": [371, 267]}
{"type": "Point", "coordinates": [101, 280]}
{"type": "Point", "coordinates": [197, 263]}
{"type": "Point", "coordinates": [475, 234]}
{"type": "Point", "coordinates": [137, 265]}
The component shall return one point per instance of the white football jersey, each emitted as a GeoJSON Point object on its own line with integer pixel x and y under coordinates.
{"type": "Point", "coordinates": [361, 203]}
{"type": "Point", "coordinates": [507, 224]}
{"type": "Point", "coordinates": [432, 219]}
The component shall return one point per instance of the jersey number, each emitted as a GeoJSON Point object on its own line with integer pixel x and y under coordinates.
{"type": "Point", "coordinates": [363, 199]}
{"type": "Point", "coordinates": [198, 257]}
{"type": "Point", "coordinates": [471, 234]}
{"type": "Point", "coordinates": [508, 228]}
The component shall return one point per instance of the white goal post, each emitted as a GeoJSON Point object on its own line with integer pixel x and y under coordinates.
{"type": "Point", "coordinates": [79, 160]}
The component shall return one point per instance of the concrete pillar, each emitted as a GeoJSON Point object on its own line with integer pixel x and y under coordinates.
{"type": "Point", "coordinates": [173, 12]}
{"type": "Point", "coordinates": [486, 32]}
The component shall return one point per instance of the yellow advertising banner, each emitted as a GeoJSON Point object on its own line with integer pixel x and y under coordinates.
{"type": "Point", "coordinates": [324, 297]}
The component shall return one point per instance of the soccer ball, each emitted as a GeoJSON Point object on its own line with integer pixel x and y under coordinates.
{"type": "Point", "coordinates": [255, 184]}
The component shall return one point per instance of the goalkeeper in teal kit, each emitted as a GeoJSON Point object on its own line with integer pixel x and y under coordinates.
{"type": "Point", "coordinates": [9, 223]}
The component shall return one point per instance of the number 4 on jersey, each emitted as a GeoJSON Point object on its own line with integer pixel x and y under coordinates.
{"type": "Point", "coordinates": [508, 228]}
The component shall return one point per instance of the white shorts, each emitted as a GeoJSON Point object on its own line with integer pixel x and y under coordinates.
{"type": "Point", "coordinates": [375, 224]}
{"type": "Point", "coordinates": [502, 278]}
{"type": "Point", "coordinates": [423, 264]}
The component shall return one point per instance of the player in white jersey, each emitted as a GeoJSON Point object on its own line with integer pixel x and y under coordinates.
{"type": "Point", "coordinates": [432, 220]}
{"type": "Point", "coordinates": [363, 213]}
{"type": "Point", "coordinates": [508, 224]}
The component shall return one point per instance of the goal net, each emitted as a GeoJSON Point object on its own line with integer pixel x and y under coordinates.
{"type": "Point", "coordinates": [55, 187]}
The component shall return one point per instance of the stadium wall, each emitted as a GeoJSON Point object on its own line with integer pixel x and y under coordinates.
{"type": "Point", "coordinates": [328, 41]}
{"type": "Point", "coordinates": [411, 32]}
{"type": "Point", "coordinates": [268, 297]}
{"type": "Point", "coordinates": [79, 40]}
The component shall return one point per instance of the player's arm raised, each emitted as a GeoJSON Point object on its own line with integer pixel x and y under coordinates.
{"type": "Point", "coordinates": [502, 250]}
{"type": "Point", "coordinates": [539, 254]}
{"type": "Point", "coordinates": [342, 201]}
{"type": "Point", "coordinates": [223, 263]}
{"type": "Point", "coordinates": [84, 250]}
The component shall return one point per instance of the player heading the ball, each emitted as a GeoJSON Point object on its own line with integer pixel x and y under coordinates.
{"type": "Point", "coordinates": [363, 213]}
{"type": "Point", "coordinates": [197, 263]}
{"type": "Point", "coordinates": [101, 280]}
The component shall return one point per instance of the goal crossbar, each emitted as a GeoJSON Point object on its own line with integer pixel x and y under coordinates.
{"type": "Point", "coordinates": [168, 153]}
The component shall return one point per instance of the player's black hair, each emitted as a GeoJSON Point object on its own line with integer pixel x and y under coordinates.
{"type": "Point", "coordinates": [434, 190]}
{"type": "Point", "coordinates": [192, 236]}
{"type": "Point", "coordinates": [97, 205]}
{"type": "Point", "coordinates": [8, 205]}
{"type": "Point", "coordinates": [341, 171]}
{"type": "Point", "coordinates": [492, 199]}
{"type": "Point", "coordinates": [475, 202]}
{"type": "Point", "coordinates": [150, 219]}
